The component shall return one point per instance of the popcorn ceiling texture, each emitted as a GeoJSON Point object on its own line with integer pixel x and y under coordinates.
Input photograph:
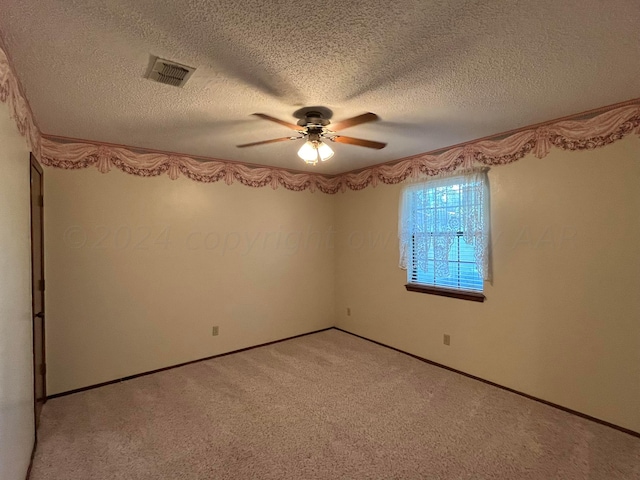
{"type": "Point", "coordinates": [438, 73]}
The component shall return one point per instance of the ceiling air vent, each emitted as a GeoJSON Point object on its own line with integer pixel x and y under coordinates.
{"type": "Point", "coordinates": [170, 73]}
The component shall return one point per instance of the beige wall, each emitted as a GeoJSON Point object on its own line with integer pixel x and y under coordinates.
{"type": "Point", "coordinates": [562, 318]}
{"type": "Point", "coordinates": [16, 372]}
{"type": "Point", "coordinates": [138, 271]}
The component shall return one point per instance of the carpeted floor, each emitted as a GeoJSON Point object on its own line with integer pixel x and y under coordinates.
{"type": "Point", "coordinates": [323, 406]}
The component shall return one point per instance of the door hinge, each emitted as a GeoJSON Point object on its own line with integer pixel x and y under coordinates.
{"type": "Point", "coordinates": [41, 285]}
{"type": "Point", "coordinates": [43, 369]}
{"type": "Point", "coordinates": [41, 200]}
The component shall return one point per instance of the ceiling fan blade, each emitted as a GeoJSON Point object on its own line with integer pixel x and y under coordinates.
{"type": "Point", "coordinates": [359, 142]}
{"type": "Point", "coordinates": [292, 126]}
{"type": "Point", "coordinates": [353, 121]}
{"type": "Point", "coordinates": [264, 142]}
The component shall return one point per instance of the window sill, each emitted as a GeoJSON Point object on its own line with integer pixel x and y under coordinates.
{"type": "Point", "coordinates": [446, 292]}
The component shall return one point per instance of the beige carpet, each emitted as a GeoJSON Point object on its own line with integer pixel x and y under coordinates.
{"type": "Point", "coordinates": [324, 406]}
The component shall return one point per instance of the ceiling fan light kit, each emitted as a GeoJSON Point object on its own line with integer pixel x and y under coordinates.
{"type": "Point", "coordinates": [314, 128]}
{"type": "Point", "coordinates": [316, 151]}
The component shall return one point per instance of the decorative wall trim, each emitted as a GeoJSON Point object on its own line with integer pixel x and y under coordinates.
{"type": "Point", "coordinates": [598, 131]}
{"type": "Point", "coordinates": [615, 123]}
{"type": "Point", "coordinates": [104, 157]}
{"type": "Point", "coordinates": [11, 92]}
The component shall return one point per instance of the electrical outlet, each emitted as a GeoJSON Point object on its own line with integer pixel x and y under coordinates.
{"type": "Point", "coordinates": [348, 312]}
{"type": "Point", "coordinates": [214, 331]}
{"type": "Point", "coordinates": [447, 339]}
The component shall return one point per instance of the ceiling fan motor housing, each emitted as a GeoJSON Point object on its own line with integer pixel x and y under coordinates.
{"type": "Point", "coordinates": [314, 118]}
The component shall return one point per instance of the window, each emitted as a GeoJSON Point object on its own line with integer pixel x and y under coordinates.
{"type": "Point", "coordinates": [444, 235]}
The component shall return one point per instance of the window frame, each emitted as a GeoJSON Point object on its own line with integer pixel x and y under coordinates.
{"type": "Point", "coordinates": [460, 293]}
{"type": "Point", "coordinates": [446, 292]}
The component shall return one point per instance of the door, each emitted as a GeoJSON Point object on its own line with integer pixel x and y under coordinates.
{"type": "Point", "coordinates": [37, 288]}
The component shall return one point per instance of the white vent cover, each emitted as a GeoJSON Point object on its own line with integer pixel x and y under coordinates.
{"type": "Point", "coordinates": [170, 73]}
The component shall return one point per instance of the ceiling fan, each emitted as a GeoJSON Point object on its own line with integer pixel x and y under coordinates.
{"type": "Point", "coordinates": [315, 128]}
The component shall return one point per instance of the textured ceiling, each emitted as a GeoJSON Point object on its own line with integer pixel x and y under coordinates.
{"type": "Point", "coordinates": [436, 72]}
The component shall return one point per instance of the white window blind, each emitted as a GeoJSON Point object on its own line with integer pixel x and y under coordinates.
{"type": "Point", "coordinates": [444, 232]}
